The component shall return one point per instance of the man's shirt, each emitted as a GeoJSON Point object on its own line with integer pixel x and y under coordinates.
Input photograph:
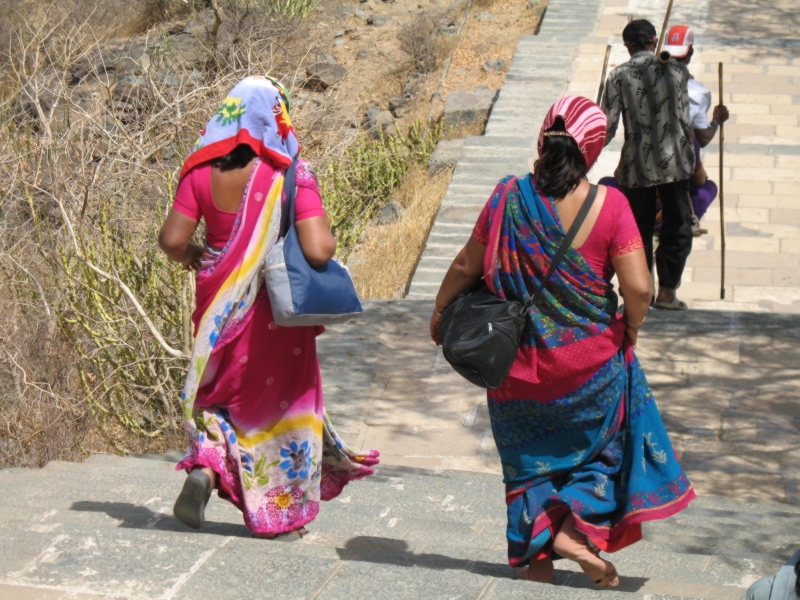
{"type": "Point", "coordinates": [699, 104]}
{"type": "Point", "coordinates": [654, 102]}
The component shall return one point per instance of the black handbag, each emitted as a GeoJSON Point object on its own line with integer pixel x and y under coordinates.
{"type": "Point", "coordinates": [481, 332]}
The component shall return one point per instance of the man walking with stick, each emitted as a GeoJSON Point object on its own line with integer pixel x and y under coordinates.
{"type": "Point", "coordinates": [657, 156]}
{"type": "Point", "coordinates": [680, 45]}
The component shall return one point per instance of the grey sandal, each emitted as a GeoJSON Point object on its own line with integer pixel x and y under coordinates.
{"type": "Point", "coordinates": [190, 507]}
{"type": "Point", "coordinates": [674, 305]}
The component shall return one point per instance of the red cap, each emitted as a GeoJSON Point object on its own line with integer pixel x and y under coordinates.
{"type": "Point", "coordinates": [679, 40]}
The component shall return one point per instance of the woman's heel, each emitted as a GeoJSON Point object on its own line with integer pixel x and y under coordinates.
{"type": "Point", "coordinates": [190, 507]}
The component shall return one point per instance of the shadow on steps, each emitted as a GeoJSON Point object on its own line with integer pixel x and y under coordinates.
{"type": "Point", "coordinates": [141, 517]}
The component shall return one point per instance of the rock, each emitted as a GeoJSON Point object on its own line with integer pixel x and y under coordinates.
{"type": "Point", "coordinates": [379, 120]}
{"type": "Point", "coordinates": [445, 156]}
{"type": "Point", "coordinates": [498, 64]}
{"type": "Point", "coordinates": [360, 14]}
{"type": "Point", "coordinates": [391, 213]}
{"type": "Point", "coordinates": [379, 20]}
{"type": "Point", "coordinates": [325, 74]}
{"type": "Point", "coordinates": [468, 108]}
{"type": "Point", "coordinates": [448, 31]}
{"type": "Point", "coordinates": [482, 48]}
{"type": "Point", "coordinates": [338, 34]}
{"type": "Point", "coordinates": [484, 16]}
{"type": "Point", "coordinates": [400, 106]}
{"type": "Point", "coordinates": [318, 56]}
{"type": "Point", "coordinates": [340, 42]}
{"type": "Point", "coordinates": [362, 55]}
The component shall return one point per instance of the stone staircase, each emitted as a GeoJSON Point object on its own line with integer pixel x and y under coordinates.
{"type": "Point", "coordinates": [104, 529]}
{"type": "Point", "coordinates": [538, 76]}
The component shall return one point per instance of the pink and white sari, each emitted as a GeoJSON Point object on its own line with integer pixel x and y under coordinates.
{"type": "Point", "coordinates": [252, 400]}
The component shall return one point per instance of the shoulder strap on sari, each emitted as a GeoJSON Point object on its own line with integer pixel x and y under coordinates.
{"type": "Point", "coordinates": [290, 189]}
{"type": "Point", "coordinates": [527, 193]}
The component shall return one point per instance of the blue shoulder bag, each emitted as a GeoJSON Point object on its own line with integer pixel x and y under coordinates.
{"type": "Point", "coordinates": [300, 294]}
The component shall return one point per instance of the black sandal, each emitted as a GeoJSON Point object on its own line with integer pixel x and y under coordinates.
{"type": "Point", "coordinates": [190, 507]}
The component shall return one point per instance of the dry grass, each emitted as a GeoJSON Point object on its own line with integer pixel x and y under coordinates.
{"type": "Point", "coordinates": [418, 39]}
{"type": "Point", "coordinates": [388, 256]}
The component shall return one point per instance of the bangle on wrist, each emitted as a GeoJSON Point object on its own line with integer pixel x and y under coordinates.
{"type": "Point", "coordinates": [639, 324]}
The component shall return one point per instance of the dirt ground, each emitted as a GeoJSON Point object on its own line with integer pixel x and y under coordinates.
{"type": "Point", "coordinates": [491, 31]}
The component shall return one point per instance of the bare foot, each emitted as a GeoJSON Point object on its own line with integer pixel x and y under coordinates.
{"type": "Point", "coordinates": [538, 570]}
{"type": "Point", "coordinates": [572, 544]}
{"type": "Point", "coordinates": [301, 531]}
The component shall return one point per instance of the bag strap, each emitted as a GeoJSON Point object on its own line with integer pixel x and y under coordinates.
{"type": "Point", "coordinates": [290, 189]}
{"type": "Point", "coordinates": [566, 243]}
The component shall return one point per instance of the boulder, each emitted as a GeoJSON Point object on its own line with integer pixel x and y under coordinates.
{"type": "Point", "coordinates": [325, 73]}
{"type": "Point", "coordinates": [484, 16]}
{"type": "Point", "coordinates": [391, 213]}
{"type": "Point", "coordinates": [445, 156]}
{"type": "Point", "coordinates": [362, 55]}
{"type": "Point", "coordinates": [468, 108]}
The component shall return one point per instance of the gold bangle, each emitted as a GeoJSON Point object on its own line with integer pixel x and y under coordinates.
{"type": "Point", "coordinates": [636, 324]}
{"type": "Point", "coordinates": [436, 311]}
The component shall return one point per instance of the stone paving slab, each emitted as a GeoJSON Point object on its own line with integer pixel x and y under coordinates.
{"type": "Point", "coordinates": [388, 536]}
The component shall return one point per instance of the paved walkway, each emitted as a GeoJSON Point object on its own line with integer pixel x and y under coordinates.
{"type": "Point", "coordinates": [762, 139]}
{"type": "Point", "coordinates": [706, 367]}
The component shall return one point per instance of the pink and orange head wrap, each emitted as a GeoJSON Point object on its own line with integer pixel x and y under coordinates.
{"type": "Point", "coordinates": [585, 123]}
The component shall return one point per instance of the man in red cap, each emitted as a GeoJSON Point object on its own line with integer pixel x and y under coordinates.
{"type": "Point", "coordinates": [680, 45]}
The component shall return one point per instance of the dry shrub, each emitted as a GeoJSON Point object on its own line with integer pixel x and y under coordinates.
{"type": "Point", "coordinates": [150, 13]}
{"type": "Point", "coordinates": [95, 332]}
{"type": "Point", "coordinates": [389, 254]}
{"type": "Point", "coordinates": [420, 41]}
{"type": "Point", "coordinates": [95, 321]}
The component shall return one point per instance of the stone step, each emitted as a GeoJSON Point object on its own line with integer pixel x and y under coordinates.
{"type": "Point", "coordinates": [441, 523]}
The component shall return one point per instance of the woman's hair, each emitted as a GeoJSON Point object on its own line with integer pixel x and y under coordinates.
{"type": "Point", "coordinates": [797, 578]}
{"type": "Point", "coordinates": [238, 158]}
{"type": "Point", "coordinates": [560, 166]}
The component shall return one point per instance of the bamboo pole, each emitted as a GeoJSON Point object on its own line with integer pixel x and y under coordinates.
{"type": "Point", "coordinates": [721, 196]}
{"type": "Point", "coordinates": [603, 76]}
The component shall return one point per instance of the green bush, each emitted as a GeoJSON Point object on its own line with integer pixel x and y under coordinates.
{"type": "Point", "coordinates": [355, 188]}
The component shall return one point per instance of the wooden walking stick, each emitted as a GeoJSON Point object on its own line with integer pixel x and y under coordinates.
{"type": "Point", "coordinates": [603, 76]}
{"type": "Point", "coordinates": [663, 55]}
{"type": "Point", "coordinates": [721, 196]}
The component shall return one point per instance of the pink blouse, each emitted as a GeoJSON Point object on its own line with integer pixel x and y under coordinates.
{"type": "Point", "coordinates": [194, 200]}
{"type": "Point", "coordinates": [614, 233]}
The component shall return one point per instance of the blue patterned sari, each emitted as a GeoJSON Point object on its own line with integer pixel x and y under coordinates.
{"type": "Point", "coordinates": [576, 424]}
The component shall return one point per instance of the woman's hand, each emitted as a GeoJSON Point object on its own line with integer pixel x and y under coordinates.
{"type": "Point", "coordinates": [436, 335]}
{"type": "Point", "coordinates": [632, 333]}
{"type": "Point", "coordinates": [193, 256]}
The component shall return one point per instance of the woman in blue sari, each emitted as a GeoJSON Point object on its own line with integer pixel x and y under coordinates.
{"type": "Point", "coordinates": [586, 459]}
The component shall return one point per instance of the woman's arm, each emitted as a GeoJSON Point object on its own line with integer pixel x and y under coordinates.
{"type": "Point", "coordinates": [464, 272]}
{"type": "Point", "coordinates": [636, 284]}
{"type": "Point", "coordinates": [316, 240]}
{"type": "Point", "coordinates": [174, 239]}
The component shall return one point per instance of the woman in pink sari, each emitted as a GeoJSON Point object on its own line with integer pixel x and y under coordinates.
{"type": "Point", "coordinates": [252, 401]}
